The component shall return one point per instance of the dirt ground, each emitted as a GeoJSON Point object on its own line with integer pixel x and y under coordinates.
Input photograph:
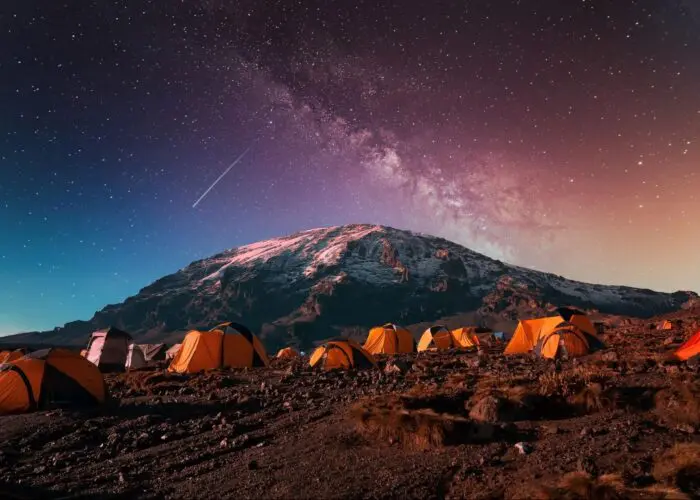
{"type": "Point", "coordinates": [621, 423]}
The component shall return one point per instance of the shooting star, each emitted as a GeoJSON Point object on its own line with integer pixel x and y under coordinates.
{"type": "Point", "coordinates": [221, 177]}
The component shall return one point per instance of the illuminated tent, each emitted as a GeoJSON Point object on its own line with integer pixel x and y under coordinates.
{"type": "Point", "coordinates": [287, 353]}
{"type": "Point", "coordinates": [341, 354]}
{"type": "Point", "coordinates": [50, 378]}
{"type": "Point", "coordinates": [226, 345]}
{"type": "Point", "coordinates": [566, 340]}
{"type": "Point", "coordinates": [689, 348]}
{"type": "Point", "coordinates": [389, 339]}
{"type": "Point", "coordinates": [529, 331]}
{"type": "Point", "coordinates": [7, 356]}
{"type": "Point", "coordinates": [440, 338]}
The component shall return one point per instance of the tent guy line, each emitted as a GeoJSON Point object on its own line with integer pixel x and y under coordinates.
{"type": "Point", "coordinates": [221, 177]}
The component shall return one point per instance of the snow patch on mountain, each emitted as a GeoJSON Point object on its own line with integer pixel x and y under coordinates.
{"type": "Point", "coordinates": [320, 247]}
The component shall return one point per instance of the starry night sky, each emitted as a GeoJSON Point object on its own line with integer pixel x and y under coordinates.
{"type": "Point", "coordinates": [562, 136]}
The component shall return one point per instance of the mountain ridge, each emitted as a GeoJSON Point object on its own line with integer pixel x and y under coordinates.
{"type": "Point", "coordinates": [320, 282]}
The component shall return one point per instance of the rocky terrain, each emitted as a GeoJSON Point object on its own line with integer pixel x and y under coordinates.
{"type": "Point", "coordinates": [320, 283]}
{"type": "Point", "coordinates": [620, 423]}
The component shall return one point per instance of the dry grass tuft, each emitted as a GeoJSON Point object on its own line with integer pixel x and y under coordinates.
{"type": "Point", "coordinates": [506, 404]}
{"type": "Point", "coordinates": [680, 404]}
{"type": "Point", "coordinates": [583, 486]}
{"type": "Point", "coordinates": [680, 467]}
{"type": "Point", "coordinates": [415, 429]}
{"type": "Point", "coordinates": [570, 383]}
{"type": "Point", "coordinates": [591, 399]}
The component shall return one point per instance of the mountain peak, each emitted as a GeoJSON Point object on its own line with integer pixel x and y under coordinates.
{"type": "Point", "coordinates": [322, 282]}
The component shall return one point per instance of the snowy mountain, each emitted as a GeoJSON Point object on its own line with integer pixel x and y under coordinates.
{"type": "Point", "coordinates": [322, 282]}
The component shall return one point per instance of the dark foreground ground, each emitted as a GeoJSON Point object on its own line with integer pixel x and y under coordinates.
{"type": "Point", "coordinates": [621, 423]}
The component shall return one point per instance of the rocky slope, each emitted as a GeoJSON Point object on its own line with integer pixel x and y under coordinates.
{"type": "Point", "coordinates": [319, 283]}
{"type": "Point", "coordinates": [621, 423]}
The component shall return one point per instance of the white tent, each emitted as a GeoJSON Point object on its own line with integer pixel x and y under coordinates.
{"type": "Point", "coordinates": [135, 358]}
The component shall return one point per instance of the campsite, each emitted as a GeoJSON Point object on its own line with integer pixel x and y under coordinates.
{"type": "Point", "coordinates": [449, 421]}
{"type": "Point", "coordinates": [291, 250]}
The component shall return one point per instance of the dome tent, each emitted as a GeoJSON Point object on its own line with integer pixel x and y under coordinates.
{"type": "Point", "coordinates": [226, 345]}
{"type": "Point", "coordinates": [108, 349]}
{"type": "Point", "coordinates": [389, 339]}
{"type": "Point", "coordinates": [341, 353]}
{"type": "Point", "coordinates": [528, 332]}
{"type": "Point", "coordinates": [287, 353]}
{"type": "Point", "coordinates": [572, 327]}
{"type": "Point", "coordinates": [690, 348]}
{"type": "Point", "coordinates": [47, 379]}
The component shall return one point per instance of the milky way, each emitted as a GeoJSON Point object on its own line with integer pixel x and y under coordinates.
{"type": "Point", "coordinates": [556, 135]}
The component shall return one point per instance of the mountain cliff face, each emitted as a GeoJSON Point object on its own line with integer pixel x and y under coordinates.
{"type": "Point", "coordinates": [319, 283]}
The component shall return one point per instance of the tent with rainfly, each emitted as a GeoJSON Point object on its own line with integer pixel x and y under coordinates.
{"type": "Point", "coordinates": [341, 353]}
{"type": "Point", "coordinates": [440, 337]}
{"type": "Point", "coordinates": [172, 352]}
{"type": "Point", "coordinates": [566, 340]}
{"type": "Point", "coordinates": [226, 345]}
{"type": "Point", "coordinates": [568, 326]}
{"type": "Point", "coordinates": [665, 325]}
{"type": "Point", "coordinates": [690, 348]}
{"type": "Point", "coordinates": [108, 349]}
{"type": "Point", "coordinates": [50, 378]}
{"type": "Point", "coordinates": [287, 353]}
{"type": "Point", "coordinates": [7, 356]}
{"type": "Point", "coordinates": [135, 358]}
{"type": "Point", "coordinates": [389, 339]}
{"type": "Point", "coordinates": [153, 352]}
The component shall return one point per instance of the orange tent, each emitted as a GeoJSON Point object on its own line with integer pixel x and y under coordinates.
{"type": "Point", "coordinates": [47, 379]}
{"type": "Point", "coordinates": [341, 353]}
{"type": "Point", "coordinates": [226, 345]}
{"type": "Point", "coordinates": [8, 356]}
{"type": "Point", "coordinates": [435, 337]}
{"type": "Point", "coordinates": [439, 338]}
{"type": "Point", "coordinates": [287, 353]}
{"type": "Point", "coordinates": [567, 340]}
{"type": "Point", "coordinates": [389, 339]}
{"type": "Point", "coordinates": [528, 332]}
{"type": "Point", "coordinates": [689, 348]}
{"type": "Point", "coordinates": [665, 325]}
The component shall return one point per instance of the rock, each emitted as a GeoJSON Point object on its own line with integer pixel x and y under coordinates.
{"type": "Point", "coordinates": [523, 448]}
{"type": "Point", "coordinates": [395, 367]}
{"type": "Point", "coordinates": [223, 443]}
{"type": "Point", "coordinates": [686, 428]}
{"type": "Point", "coordinates": [288, 405]}
{"type": "Point", "coordinates": [669, 340]}
{"type": "Point", "coordinates": [121, 478]}
{"type": "Point", "coordinates": [585, 432]}
{"type": "Point", "coordinates": [550, 429]}
{"type": "Point", "coordinates": [610, 356]}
